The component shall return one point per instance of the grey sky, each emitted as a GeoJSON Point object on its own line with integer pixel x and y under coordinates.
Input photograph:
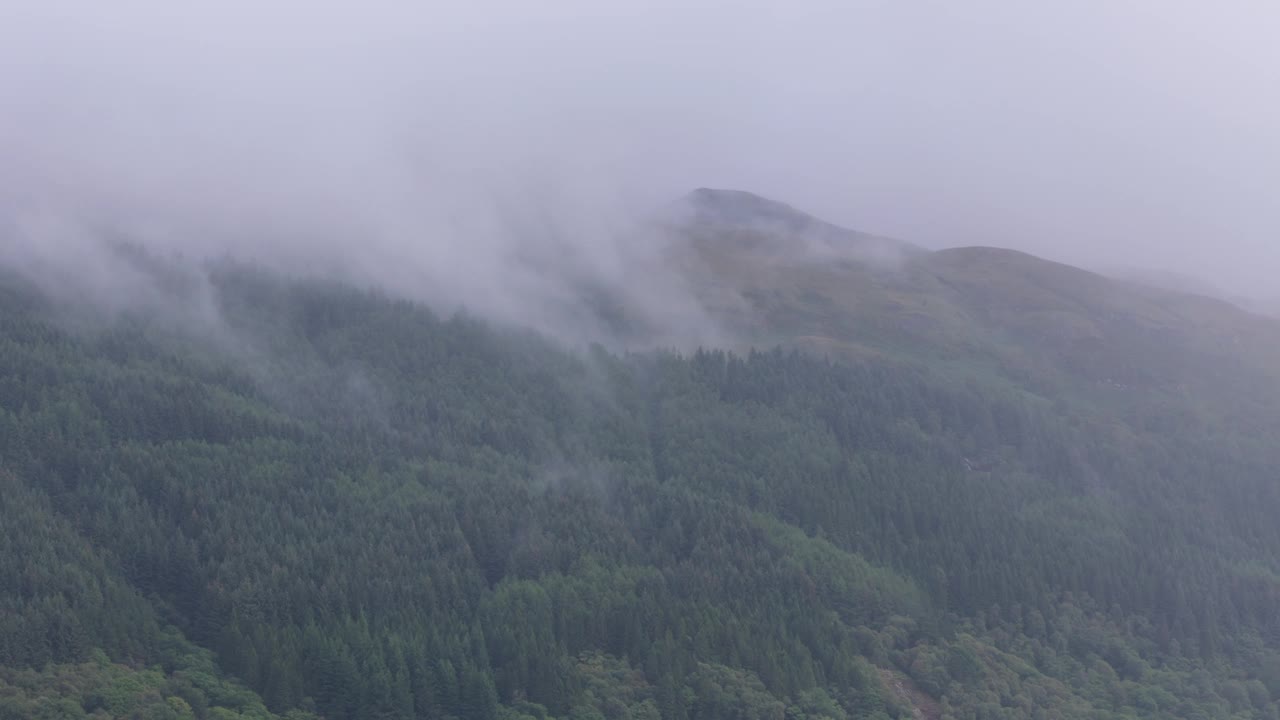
{"type": "Point", "coordinates": [1103, 132]}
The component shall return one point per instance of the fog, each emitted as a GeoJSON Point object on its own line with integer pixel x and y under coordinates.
{"type": "Point", "coordinates": [495, 154]}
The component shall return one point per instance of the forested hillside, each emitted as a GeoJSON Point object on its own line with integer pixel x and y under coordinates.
{"type": "Point", "coordinates": [1035, 500]}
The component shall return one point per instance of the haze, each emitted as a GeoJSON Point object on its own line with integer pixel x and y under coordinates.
{"type": "Point", "coordinates": [430, 147]}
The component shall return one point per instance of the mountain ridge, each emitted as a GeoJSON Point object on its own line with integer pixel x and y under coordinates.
{"type": "Point", "coordinates": [966, 291]}
{"type": "Point", "coordinates": [967, 484]}
{"type": "Point", "coordinates": [732, 207]}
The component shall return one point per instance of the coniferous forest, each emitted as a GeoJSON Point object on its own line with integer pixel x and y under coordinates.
{"type": "Point", "coordinates": [339, 504]}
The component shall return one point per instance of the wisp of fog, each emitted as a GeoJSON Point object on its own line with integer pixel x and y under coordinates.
{"type": "Point", "coordinates": [503, 156]}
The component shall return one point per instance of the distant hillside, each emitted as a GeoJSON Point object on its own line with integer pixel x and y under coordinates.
{"type": "Point", "coordinates": [783, 233]}
{"type": "Point", "coordinates": [1042, 324]}
{"type": "Point", "coordinates": [1181, 283]}
{"type": "Point", "coordinates": [967, 484]}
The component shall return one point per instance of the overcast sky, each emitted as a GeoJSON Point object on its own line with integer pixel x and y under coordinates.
{"type": "Point", "coordinates": [1103, 132]}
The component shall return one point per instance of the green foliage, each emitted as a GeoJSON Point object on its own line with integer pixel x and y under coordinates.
{"type": "Point", "coordinates": [357, 509]}
{"type": "Point", "coordinates": [100, 689]}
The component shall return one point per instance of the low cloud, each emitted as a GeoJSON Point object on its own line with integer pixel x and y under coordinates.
{"type": "Point", "coordinates": [506, 156]}
{"type": "Point", "coordinates": [376, 145]}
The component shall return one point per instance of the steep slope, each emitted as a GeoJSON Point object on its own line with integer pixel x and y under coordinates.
{"type": "Point", "coordinates": [1137, 363]}
{"type": "Point", "coordinates": [1011, 489]}
{"type": "Point", "coordinates": [1053, 329]}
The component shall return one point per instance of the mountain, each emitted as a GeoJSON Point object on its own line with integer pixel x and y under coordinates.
{"type": "Point", "coordinates": [760, 226]}
{"type": "Point", "coordinates": [1051, 329]}
{"type": "Point", "coordinates": [968, 483]}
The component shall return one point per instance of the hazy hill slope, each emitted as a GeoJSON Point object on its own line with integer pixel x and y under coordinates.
{"type": "Point", "coordinates": [1022, 318]}
{"type": "Point", "coordinates": [361, 509]}
{"type": "Point", "coordinates": [1135, 362]}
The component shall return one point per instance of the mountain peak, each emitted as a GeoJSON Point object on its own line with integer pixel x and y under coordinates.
{"type": "Point", "coordinates": [781, 230]}
{"type": "Point", "coordinates": [740, 206]}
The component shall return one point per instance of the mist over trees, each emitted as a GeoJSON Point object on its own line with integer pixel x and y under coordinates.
{"type": "Point", "coordinates": [374, 361]}
{"type": "Point", "coordinates": [390, 513]}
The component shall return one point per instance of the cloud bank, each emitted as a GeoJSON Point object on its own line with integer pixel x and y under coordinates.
{"type": "Point", "coordinates": [499, 154]}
